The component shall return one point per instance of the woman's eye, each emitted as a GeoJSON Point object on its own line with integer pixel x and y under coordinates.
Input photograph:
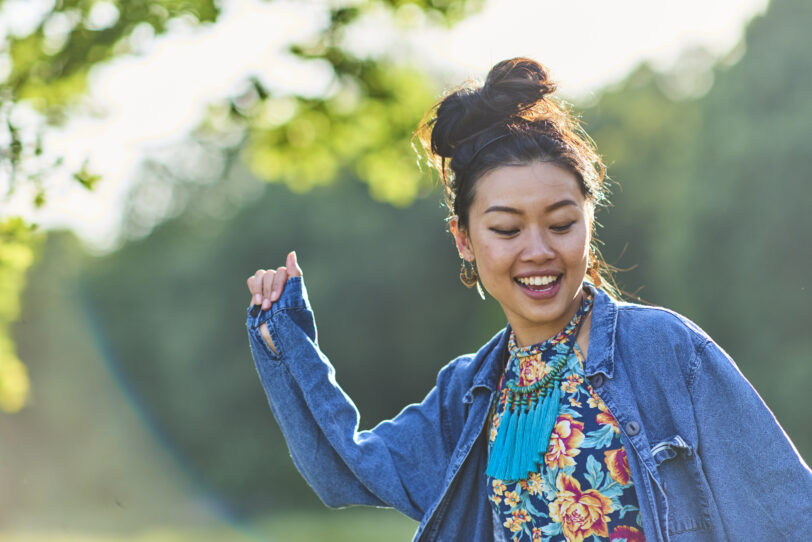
{"type": "Point", "coordinates": [562, 227]}
{"type": "Point", "coordinates": [503, 232]}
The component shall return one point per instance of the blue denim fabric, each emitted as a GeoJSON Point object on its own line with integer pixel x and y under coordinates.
{"type": "Point", "coordinates": [708, 459]}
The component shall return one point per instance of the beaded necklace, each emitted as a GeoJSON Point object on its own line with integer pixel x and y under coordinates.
{"type": "Point", "coordinates": [531, 411]}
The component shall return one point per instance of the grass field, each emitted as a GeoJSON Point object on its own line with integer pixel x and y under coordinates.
{"type": "Point", "coordinates": [353, 525]}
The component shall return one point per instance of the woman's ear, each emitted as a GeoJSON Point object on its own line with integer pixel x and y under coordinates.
{"type": "Point", "coordinates": [461, 239]}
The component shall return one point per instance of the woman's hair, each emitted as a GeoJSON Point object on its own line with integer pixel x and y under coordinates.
{"type": "Point", "coordinates": [511, 119]}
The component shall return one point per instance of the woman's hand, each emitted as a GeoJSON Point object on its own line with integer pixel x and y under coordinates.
{"type": "Point", "coordinates": [266, 286]}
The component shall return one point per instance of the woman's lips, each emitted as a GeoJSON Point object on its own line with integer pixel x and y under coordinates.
{"type": "Point", "coordinates": [541, 291]}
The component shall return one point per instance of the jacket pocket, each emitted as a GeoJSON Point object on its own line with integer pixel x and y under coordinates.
{"type": "Point", "coordinates": [683, 481]}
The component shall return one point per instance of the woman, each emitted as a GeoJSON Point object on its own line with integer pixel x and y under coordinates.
{"type": "Point", "coordinates": [585, 417]}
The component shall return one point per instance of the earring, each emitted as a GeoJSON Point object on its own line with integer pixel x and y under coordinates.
{"type": "Point", "coordinates": [468, 276]}
{"type": "Point", "coordinates": [593, 270]}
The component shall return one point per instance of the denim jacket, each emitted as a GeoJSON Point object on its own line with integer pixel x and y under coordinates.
{"type": "Point", "coordinates": [708, 459]}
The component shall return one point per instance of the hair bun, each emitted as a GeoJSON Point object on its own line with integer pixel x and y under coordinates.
{"type": "Point", "coordinates": [515, 85]}
{"type": "Point", "coordinates": [512, 87]}
{"type": "Point", "coordinates": [458, 116]}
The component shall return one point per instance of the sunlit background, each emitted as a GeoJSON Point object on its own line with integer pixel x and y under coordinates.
{"type": "Point", "coordinates": [164, 150]}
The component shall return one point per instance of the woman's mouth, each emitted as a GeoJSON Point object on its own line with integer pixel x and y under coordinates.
{"type": "Point", "coordinates": [539, 286]}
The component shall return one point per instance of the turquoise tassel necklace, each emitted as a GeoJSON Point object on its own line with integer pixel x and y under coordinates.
{"type": "Point", "coordinates": [531, 411]}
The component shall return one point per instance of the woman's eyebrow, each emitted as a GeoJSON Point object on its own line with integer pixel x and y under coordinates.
{"type": "Point", "coordinates": [548, 209]}
{"type": "Point", "coordinates": [559, 204]}
{"type": "Point", "coordinates": [503, 209]}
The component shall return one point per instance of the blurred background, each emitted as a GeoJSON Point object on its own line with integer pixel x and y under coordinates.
{"type": "Point", "coordinates": [155, 153]}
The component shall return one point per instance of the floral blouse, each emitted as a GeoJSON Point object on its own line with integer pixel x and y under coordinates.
{"type": "Point", "coordinates": [584, 490]}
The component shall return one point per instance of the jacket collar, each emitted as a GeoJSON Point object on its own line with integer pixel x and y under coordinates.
{"type": "Point", "coordinates": [600, 357]}
{"type": "Point", "coordinates": [491, 357]}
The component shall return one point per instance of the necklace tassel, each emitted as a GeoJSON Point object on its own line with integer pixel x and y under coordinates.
{"type": "Point", "coordinates": [527, 431]}
{"type": "Point", "coordinates": [521, 446]}
{"type": "Point", "coordinates": [499, 462]}
{"type": "Point", "coordinates": [518, 462]}
{"type": "Point", "coordinates": [531, 411]}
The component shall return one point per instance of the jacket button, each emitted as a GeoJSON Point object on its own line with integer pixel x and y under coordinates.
{"type": "Point", "coordinates": [632, 428]}
{"type": "Point", "coordinates": [597, 381]}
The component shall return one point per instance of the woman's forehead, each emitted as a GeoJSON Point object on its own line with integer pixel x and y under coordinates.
{"type": "Point", "coordinates": [539, 186]}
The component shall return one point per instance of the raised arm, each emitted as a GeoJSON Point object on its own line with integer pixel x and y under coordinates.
{"type": "Point", "coordinates": [400, 463]}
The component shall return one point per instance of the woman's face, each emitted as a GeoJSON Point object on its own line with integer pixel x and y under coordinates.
{"type": "Point", "coordinates": [529, 232]}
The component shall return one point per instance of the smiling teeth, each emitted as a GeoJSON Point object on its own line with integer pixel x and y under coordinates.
{"type": "Point", "coordinates": [537, 280]}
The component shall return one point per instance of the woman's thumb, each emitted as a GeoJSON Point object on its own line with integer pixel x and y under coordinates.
{"type": "Point", "coordinates": [293, 266]}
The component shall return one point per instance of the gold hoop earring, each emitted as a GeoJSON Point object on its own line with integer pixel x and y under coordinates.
{"type": "Point", "coordinates": [468, 276]}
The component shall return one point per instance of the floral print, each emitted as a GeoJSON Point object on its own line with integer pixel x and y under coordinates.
{"type": "Point", "coordinates": [564, 442]}
{"type": "Point", "coordinates": [511, 498]}
{"type": "Point", "coordinates": [570, 385]}
{"type": "Point", "coordinates": [584, 489]}
{"type": "Point", "coordinates": [603, 417]}
{"type": "Point", "coordinates": [629, 534]}
{"type": "Point", "coordinates": [533, 484]}
{"type": "Point", "coordinates": [531, 370]}
{"type": "Point", "coordinates": [581, 513]}
{"type": "Point", "coordinates": [618, 465]}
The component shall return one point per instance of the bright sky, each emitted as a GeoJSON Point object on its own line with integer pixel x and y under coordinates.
{"type": "Point", "coordinates": [157, 97]}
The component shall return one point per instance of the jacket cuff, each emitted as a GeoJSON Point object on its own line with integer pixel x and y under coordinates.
{"type": "Point", "coordinates": [294, 296]}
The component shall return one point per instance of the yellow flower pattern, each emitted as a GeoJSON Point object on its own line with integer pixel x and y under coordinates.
{"type": "Point", "coordinates": [581, 513]}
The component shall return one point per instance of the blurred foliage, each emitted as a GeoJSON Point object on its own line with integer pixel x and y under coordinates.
{"type": "Point", "coordinates": [711, 206]}
{"type": "Point", "coordinates": [358, 525]}
{"type": "Point", "coordinates": [49, 70]}
{"type": "Point", "coordinates": [50, 65]}
{"type": "Point", "coordinates": [358, 256]}
{"type": "Point", "coordinates": [751, 213]}
{"type": "Point", "coordinates": [361, 124]}
{"type": "Point", "coordinates": [708, 213]}
{"type": "Point", "coordinates": [687, 194]}
{"type": "Point", "coordinates": [366, 134]}
{"type": "Point", "coordinates": [17, 250]}
{"type": "Point", "coordinates": [647, 140]}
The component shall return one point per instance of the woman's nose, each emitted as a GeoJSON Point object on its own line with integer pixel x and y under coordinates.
{"type": "Point", "coordinates": [537, 247]}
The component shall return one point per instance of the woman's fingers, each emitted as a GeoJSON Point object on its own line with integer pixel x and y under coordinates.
{"type": "Point", "coordinates": [250, 283]}
{"type": "Point", "coordinates": [278, 285]}
{"type": "Point", "coordinates": [266, 286]}
{"type": "Point", "coordinates": [293, 265]}
{"type": "Point", "coordinates": [255, 286]}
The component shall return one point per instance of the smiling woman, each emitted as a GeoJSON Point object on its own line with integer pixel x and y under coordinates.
{"type": "Point", "coordinates": [529, 231]}
{"type": "Point", "coordinates": [586, 417]}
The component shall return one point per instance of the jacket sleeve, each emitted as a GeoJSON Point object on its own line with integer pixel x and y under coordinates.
{"type": "Point", "coordinates": [755, 474]}
{"type": "Point", "coordinates": [400, 463]}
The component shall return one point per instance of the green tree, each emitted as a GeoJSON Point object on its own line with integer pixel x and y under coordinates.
{"type": "Point", "coordinates": [49, 69]}
{"type": "Point", "coordinates": [361, 123]}
{"type": "Point", "coordinates": [749, 214]}
{"type": "Point", "coordinates": [711, 203]}
{"type": "Point", "coordinates": [17, 245]}
{"type": "Point", "coordinates": [689, 206]}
